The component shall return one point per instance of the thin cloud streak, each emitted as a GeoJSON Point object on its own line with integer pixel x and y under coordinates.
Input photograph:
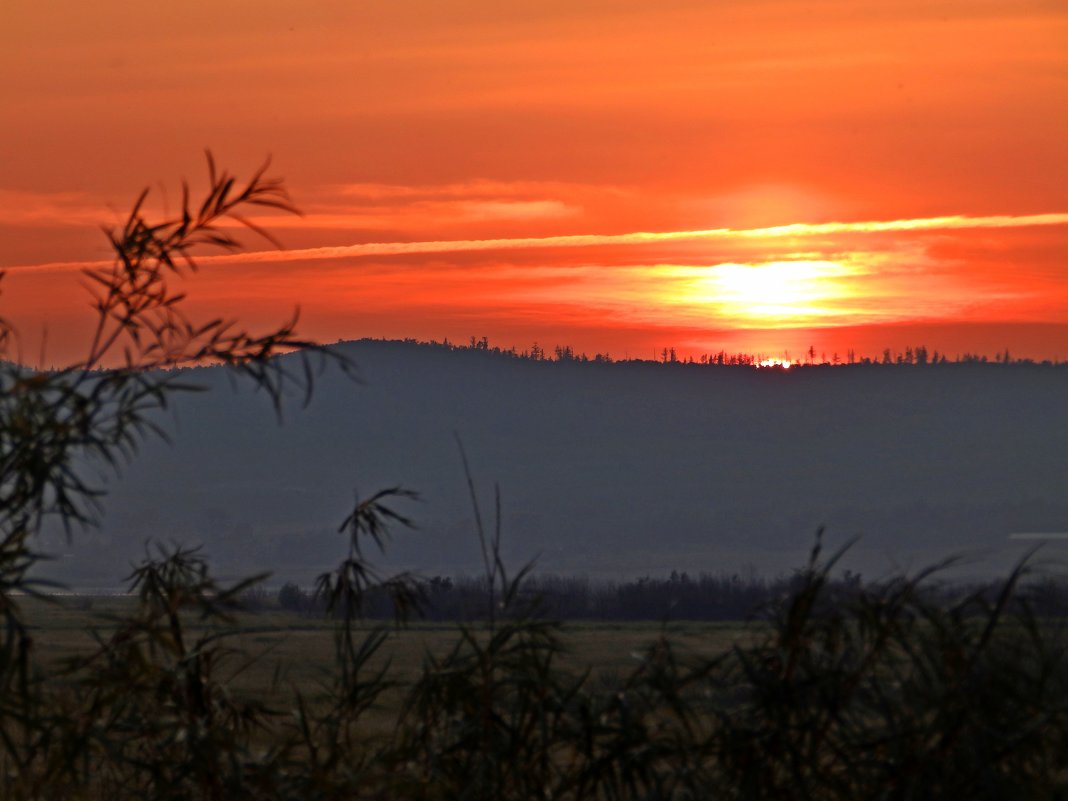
{"type": "Point", "coordinates": [954, 222]}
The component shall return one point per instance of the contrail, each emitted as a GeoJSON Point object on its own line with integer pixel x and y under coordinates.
{"type": "Point", "coordinates": [587, 240]}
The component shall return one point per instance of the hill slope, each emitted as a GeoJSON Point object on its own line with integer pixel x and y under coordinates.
{"type": "Point", "coordinates": [603, 468]}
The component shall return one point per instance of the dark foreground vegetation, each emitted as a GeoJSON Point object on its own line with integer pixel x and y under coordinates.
{"type": "Point", "coordinates": [884, 693]}
{"type": "Point", "coordinates": [885, 690]}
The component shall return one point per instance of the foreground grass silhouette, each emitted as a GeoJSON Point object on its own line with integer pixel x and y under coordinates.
{"type": "Point", "coordinates": [890, 692]}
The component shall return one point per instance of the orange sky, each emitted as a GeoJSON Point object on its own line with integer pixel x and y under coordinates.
{"type": "Point", "coordinates": [482, 168]}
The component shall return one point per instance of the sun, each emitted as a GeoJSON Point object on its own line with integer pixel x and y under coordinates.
{"type": "Point", "coordinates": [779, 293]}
{"type": "Point", "coordinates": [785, 364]}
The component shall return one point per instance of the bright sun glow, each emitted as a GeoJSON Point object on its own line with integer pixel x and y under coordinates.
{"type": "Point", "coordinates": [775, 293]}
{"type": "Point", "coordinates": [785, 364]}
{"type": "Point", "coordinates": [778, 288]}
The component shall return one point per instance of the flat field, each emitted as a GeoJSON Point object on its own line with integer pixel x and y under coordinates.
{"type": "Point", "coordinates": [277, 652]}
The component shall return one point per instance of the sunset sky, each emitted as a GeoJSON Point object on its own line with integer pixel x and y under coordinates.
{"type": "Point", "coordinates": [618, 176]}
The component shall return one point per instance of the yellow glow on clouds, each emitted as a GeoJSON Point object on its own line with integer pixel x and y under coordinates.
{"type": "Point", "coordinates": [860, 287]}
{"type": "Point", "coordinates": [767, 295]}
{"type": "Point", "coordinates": [775, 293]}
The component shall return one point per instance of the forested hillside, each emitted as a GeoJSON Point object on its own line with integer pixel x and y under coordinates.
{"type": "Point", "coordinates": [604, 469]}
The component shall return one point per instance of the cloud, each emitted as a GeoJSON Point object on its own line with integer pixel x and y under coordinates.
{"type": "Point", "coordinates": [645, 237]}
{"type": "Point", "coordinates": [50, 209]}
{"type": "Point", "coordinates": [425, 213]}
{"type": "Point", "coordinates": [474, 189]}
{"type": "Point", "coordinates": [790, 231]}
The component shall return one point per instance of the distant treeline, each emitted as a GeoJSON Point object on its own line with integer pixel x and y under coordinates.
{"type": "Point", "coordinates": [912, 355]}
{"type": "Point", "coordinates": [704, 597]}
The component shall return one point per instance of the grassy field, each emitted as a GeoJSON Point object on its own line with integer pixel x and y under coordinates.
{"type": "Point", "coordinates": [841, 701]}
{"type": "Point", "coordinates": [277, 652]}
